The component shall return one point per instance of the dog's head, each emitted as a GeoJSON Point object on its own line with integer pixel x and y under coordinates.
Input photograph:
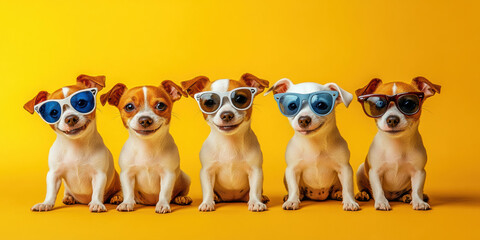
{"type": "Point", "coordinates": [306, 121]}
{"type": "Point", "coordinates": [225, 117]}
{"type": "Point", "coordinates": [394, 120]}
{"type": "Point", "coordinates": [68, 121]}
{"type": "Point", "coordinates": [146, 109]}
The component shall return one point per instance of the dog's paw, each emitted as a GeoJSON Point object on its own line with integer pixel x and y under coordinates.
{"type": "Point", "coordinates": [42, 207]}
{"type": "Point", "coordinates": [337, 195]}
{"type": "Point", "coordinates": [362, 196]}
{"type": "Point", "coordinates": [350, 206]}
{"type": "Point", "coordinates": [383, 205]}
{"type": "Point", "coordinates": [117, 199]}
{"type": "Point", "coordinates": [182, 200]}
{"type": "Point", "coordinates": [420, 205]}
{"type": "Point", "coordinates": [68, 200]}
{"type": "Point", "coordinates": [265, 199]}
{"type": "Point", "coordinates": [291, 205]}
{"type": "Point", "coordinates": [97, 207]}
{"type": "Point", "coordinates": [256, 206]}
{"type": "Point", "coordinates": [406, 198]}
{"type": "Point", "coordinates": [162, 207]}
{"type": "Point", "coordinates": [125, 207]}
{"type": "Point", "coordinates": [207, 206]}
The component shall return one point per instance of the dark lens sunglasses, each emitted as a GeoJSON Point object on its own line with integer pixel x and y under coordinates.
{"type": "Point", "coordinates": [321, 102]}
{"type": "Point", "coordinates": [375, 105]}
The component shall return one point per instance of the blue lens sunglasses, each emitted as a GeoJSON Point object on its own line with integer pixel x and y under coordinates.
{"type": "Point", "coordinates": [82, 101]}
{"type": "Point", "coordinates": [321, 102]}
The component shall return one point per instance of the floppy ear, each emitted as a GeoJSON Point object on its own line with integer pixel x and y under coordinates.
{"type": "Point", "coordinates": [280, 86]}
{"type": "Point", "coordinates": [175, 91]}
{"type": "Point", "coordinates": [40, 97]}
{"type": "Point", "coordinates": [195, 85]}
{"type": "Point", "coordinates": [92, 81]}
{"type": "Point", "coordinates": [370, 88]}
{"type": "Point", "coordinates": [253, 81]}
{"type": "Point", "coordinates": [428, 88]}
{"type": "Point", "coordinates": [113, 96]}
{"type": "Point", "coordinates": [344, 96]}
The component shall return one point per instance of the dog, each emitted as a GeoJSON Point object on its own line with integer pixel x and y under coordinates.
{"type": "Point", "coordinates": [394, 166]}
{"type": "Point", "coordinates": [317, 156]}
{"type": "Point", "coordinates": [149, 159]}
{"type": "Point", "coordinates": [231, 156]}
{"type": "Point", "coordinates": [78, 156]}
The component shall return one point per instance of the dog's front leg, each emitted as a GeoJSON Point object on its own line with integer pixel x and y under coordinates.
{"type": "Point", "coordinates": [98, 185]}
{"type": "Point", "coordinates": [292, 178]}
{"type": "Point", "coordinates": [53, 185]}
{"type": "Point", "coordinates": [346, 179]}
{"type": "Point", "coordinates": [127, 180]}
{"type": "Point", "coordinates": [381, 202]}
{"type": "Point", "coordinates": [418, 181]}
{"type": "Point", "coordinates": [255, 181]}
{"type": "Point", "coordinates": [165, 196]}
{"type": "Point", "coordinates": [207, 179]}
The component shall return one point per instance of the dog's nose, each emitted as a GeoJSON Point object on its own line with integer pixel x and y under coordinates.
{"type": "Point", "coordinates": [304, 121]}
{"type": "Point", "coordinates": [145, 121]}
{"type": "Point", "coordinates": [71, 120]}
{"type": "Point", "coordinates": [227, 116]}
{"type": "Point", "coordinates": [392, 121]}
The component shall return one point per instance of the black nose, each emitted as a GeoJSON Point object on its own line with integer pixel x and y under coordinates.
{"type": "Point", "coordinates": [145, 121]}
{"type": "Point", "coordinates": [304, 121]}
{"type": "Point", "coordinates": [71, 120]}
{"type": "Point", "coordinates": [227, 116]}
{"type": "Point", "coordinates": [392, 121]}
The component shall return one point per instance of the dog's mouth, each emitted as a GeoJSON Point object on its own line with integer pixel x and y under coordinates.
{"type": "Point", "coordinates": [394, 131]}
{"type": "Point", "coordinates": [307, 132]}
{"type": "Point", "coordinates": [147, 132]}
{"type": "Point", "coordinates": [228, 128]}
{"type": "Point", "coordinates": [76, 130]}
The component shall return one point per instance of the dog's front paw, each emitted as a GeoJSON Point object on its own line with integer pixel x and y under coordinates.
{"type": "Point", "coordinates": [291, 205]}
{"type": "Point", "coordinates": [125, 207]}
{"type": "Point", "coordinates": [97, 207]}
{"type": "Point", "coordinates": [383, 205]}
{"type": "Point", "coordinates": [350, 206]}
{"type": "Point", "coordinates": [256, 206]}
{"type": "Point", "coordinates": [420, 205]}
{"type": "Point", "coordinates": [42, 207]}
{"type": "Point", "coordinates": [207, 206]}
{"type": "Point", "coordinates": [162, 207]}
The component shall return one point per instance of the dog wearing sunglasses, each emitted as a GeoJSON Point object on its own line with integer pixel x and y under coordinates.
{"type": "Point", "coordinates": [317, 156]}
{"type": "Point", "coordinates": [78, 156]}
{"type": "Point", "coordinates": [149, 159]}
{"type": "Point", "coordinates": [395, 165]}
{"type": "Point", "coordinates": [231, 156]}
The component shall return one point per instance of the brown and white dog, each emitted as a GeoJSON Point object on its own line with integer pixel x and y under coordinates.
{"type": "Point", "coordinates": [78, 155]}
{"type": "Point", "coordinates": [394, 166]}
{"type": "Point", "coordinates": [149, 159]}
{"type": "Point", "coordinates": [231, 156]}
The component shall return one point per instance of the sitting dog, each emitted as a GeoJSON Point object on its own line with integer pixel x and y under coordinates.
{"type": "Point", "coordinates": [149, 159]}
{"type": "Point", "coordinates": [231, 157]}
{"type": "Point", "coordinates": [317, 155]}
{"type": "Point", "coordinates": [78, 155]}
{"type": "Point", "coordinates": [394, 167]}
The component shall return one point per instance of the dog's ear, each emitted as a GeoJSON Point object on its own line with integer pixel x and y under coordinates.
{"type": "Point", "coordinates": [113, 96]}
{"type": "Point", "coordinates": [253, 81]}
{"type": "Point", "coordinates": [428, 88]}
{"type": "Point", "coordinates": [40, 97]}
{"type": "Point", "coordinates": [175, 91]}
{"type": "Point", "coordinates": [280, 86]}
{"type": "Point", "coordinates": [195, 85]}
{"type": "Point", "coordinates": [370, 88]}
{"type": "Point", "coordinates": [344, 96]}
{"type": "Point", "coordinates": [92, 81]}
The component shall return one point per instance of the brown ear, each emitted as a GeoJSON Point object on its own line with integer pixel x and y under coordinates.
{"type": "Point", "coordinates": [113, 96]}
{"type": "Point", "coordinates": [280, 86]}
{"type": "Point", "coordinates": [175, 91]}
{"type": "Point", "coordinates": [92, 81]}
{"type": "Point", "coordinates": [370, 88]}
{"type": "Point", "coordinates": [195, 85]}
{"type": "Point", "coordinates": [40, 97]}
{"type": "Point", "coordinates": [428, 88]}
{"type": "Point", "coordinates": [253, 81]}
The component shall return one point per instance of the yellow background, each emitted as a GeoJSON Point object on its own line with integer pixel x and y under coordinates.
{"type": "Point", "coordinates": [44, 45]}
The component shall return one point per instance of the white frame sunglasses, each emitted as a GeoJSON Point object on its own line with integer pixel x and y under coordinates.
{"type": "Point", "coordinates": [222, 95]}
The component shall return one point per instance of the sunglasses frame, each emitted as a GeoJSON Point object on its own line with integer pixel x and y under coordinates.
{"type": "Point", "coordinates": [66, 101]}
{"type": "Point", "coordinates": [392, 98]}
{"type": "Point", "coordinates": [222, 95]}
{"type": "Point", "coordinates": [306, 97]}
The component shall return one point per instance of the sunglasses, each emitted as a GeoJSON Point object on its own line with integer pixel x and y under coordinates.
{"type": "Point", "coordinates": [240, 98]}
{"type": "Point", "coordinates": [82, 101]}
{"type": "Point", "coordinates": [321, 102]}
{"type": "Point", "coordinates": [375, 105]}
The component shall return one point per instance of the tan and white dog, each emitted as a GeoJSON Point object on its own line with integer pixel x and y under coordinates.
{"type": "Point", "coordinates": [317, 155]}
{"type": "Point", "coordinates": [149, 159]}
{"type": "Point", "coordinates": [231, 156]}
{"type": "Point", "coordinates": [394, 166]}
{"type": "Point", "coordinates": [78, 156]}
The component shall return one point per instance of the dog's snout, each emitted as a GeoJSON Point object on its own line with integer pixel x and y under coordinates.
{"type": "Point", "coordinates": [145, 121]}
{"type": "Point", "coordinates": [71, 120]}
{"type": "Point", "coordinates": [304, 121]}
{"type": "Point", "coordinates": [227, 116]}
{"type": "Point", "coordinates": [392, 121]}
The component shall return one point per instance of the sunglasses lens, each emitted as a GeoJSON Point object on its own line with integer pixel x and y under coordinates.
{"type": "Point", "coordinates": [241, 98]}
{"type": "Point", "coordinates": [408, 104]}
{"type": "Point", "coordinates": [375, 106]}
{"type": "Point", "coordinates": [50, 111]}
{"type": "Point", "coordinates": [289, 105]}
{"type": "Point", "coordinates": [321, 103]}
{"type": "Point", "coordinates": [83, 102]}
{"type": "Point", "coordinates": [209, 102]}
